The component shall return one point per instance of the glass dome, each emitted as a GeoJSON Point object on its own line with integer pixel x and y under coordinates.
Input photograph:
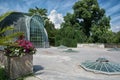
{"type": "Point", "coordinates": [70, 51]}
{"type": "Point", "coordinates": [62, 47]}
{"type": "Point", "coordinates": [101, 65]}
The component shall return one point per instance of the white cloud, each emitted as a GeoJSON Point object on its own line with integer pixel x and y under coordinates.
{"type": "Point", "coordinates": [56, 18]}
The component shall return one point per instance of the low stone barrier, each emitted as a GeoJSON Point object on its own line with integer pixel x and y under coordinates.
{"type": "Point", "coordinates": [99, 45]}
{"type": "Point", "coordinates": [112, 45]}
{"type": "Point", "coordinates": [91, 45]}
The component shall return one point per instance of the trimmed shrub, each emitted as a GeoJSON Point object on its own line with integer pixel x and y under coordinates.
{"type": "Point", "coordinates": [69, 42]}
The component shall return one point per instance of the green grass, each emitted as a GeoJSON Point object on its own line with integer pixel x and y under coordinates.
{"type": "Point", "coordinates": [2, 74]}
{"type": "Point", "coordinates": [23, 77]}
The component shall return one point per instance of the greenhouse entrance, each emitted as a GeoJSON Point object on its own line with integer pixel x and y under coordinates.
{"type": "Point", "coordinates": [38, 34]}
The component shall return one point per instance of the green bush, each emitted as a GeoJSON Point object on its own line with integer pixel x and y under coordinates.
{"type": "Point", "coordinates": [2, 74]}
{"type": "Point", "coordinates": [69, 42]}
{"type": "Point", "coordinates": [57, 40]}
{"type": "Point", "coordinates": [80, 36]}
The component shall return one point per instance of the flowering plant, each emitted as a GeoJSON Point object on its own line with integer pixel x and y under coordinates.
{"type": "Point", "coordinates": [20, 47]}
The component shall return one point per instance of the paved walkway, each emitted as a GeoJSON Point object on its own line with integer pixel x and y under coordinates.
{"type": "Point", "coordinates": [55, 64]}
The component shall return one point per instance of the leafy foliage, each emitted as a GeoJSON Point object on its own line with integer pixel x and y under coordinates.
{"type": "Point", "coordinates": [88, 24]}
{"type": "Point", "coordinates": [90, 13]}
{"type": "Point", "coordinates": [5, 40]}
{"type": "Point", "coordinates": [2, 74]}
{"type": "Point", "coordinates": [51, 31]}
{"type": "Point", "coordinates": [39, 11]}
{"type": "Point", "coordinates": [66, 36]}
{"type": "Point", "coordinates": [4, 16]}
{"type": "Point", "coordinates": [101, 35]}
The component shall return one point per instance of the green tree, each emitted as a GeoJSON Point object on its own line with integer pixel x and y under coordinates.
{"type": "Point", "coordinates": [39, 11]}
{"type": "Point", "coordinates": [117, 37]}
{"type": "Point", "coordinates": [51, 31]}
{"type": "Point", "coordinates": [66, 36]}
{"type": "Point", "coordinates": [89, 22]}
{"type": "Point", "coordinates": [90, 13]}
{"type": "Point", "coordinates": [101, 35]}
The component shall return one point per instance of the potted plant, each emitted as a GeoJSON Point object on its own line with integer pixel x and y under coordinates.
{"type": "Point", "coordinates": [19, 58]}
{"type": "Point", "coordinates": [20, 48]}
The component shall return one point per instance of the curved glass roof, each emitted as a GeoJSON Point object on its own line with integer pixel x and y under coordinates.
{"type": "Point", "coordinates": [101, 65]}
{"type": "Point", "coordinates": [32, 26]}
{"type": "Point", "coordinates": [70, 50]}
{"type": "Point", "coordinates": [62, 47]}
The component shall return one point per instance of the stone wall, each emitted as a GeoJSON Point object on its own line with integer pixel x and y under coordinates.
{"type": "Point", "coordinates": [112, 45]}
{"type": "Point", "coordinates": [3, 58]}
{"type": "Point", "coordinates": [91, 45]}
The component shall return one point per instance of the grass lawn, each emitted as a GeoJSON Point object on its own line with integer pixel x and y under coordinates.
{"type": "Point", "coordinates": [2, 74]}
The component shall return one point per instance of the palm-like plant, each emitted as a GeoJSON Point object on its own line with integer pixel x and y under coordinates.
{"type": "Point", "coordinates": [39, 11]}
{"type": "Point", "coordinates": [5, 40]}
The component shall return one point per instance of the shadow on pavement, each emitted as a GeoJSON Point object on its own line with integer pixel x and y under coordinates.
{"type": "Point", "coordinates": [37, 68]}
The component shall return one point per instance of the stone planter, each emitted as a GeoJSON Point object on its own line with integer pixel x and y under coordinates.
{"type": "Point", "coordinates": [3, 58]}
{"type": "Point", "coordinates": [19, 66]}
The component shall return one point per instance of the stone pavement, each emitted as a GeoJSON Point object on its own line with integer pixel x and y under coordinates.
{"type": "Point", "coordinates": [32, 78]}
{"type": "Point", "coordinates": [55, 64]}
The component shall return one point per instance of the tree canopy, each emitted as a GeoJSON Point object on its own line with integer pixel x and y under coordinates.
{"type": "Point", "coordinates": [39, 11]}
{"type": "Point", "coordinates": [87, 24]}
{"type": "Point", "coordinates": [91, 14]}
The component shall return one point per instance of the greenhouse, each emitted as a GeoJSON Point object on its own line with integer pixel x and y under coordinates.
{"type": "Point", "coordinates": [32, 26]}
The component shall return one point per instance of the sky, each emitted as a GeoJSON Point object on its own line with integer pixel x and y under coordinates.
{"type": "Point", "coordinates": [57, 9]}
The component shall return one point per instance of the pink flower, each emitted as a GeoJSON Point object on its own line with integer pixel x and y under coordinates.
{"type": "Point", "coordinates": [27, 45]}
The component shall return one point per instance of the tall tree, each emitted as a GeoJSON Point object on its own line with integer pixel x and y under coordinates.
{"type": "Point", "coordinates": [39, 11]}
{"type": "Point", "coordinates": [51, 31]}
{"type": "Point", "coordinates": [90, 13]}
{"type": "Point", "coordinates": [89, 22]}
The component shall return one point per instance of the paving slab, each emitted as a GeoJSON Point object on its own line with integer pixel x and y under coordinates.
{"type": "Point", "coordinates": [56, 64]}
{"type": "Point", "coordinates": [32, 78]}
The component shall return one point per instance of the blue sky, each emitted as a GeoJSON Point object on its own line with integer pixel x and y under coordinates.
{"type": "Point", "coordinates": [58, 8]}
